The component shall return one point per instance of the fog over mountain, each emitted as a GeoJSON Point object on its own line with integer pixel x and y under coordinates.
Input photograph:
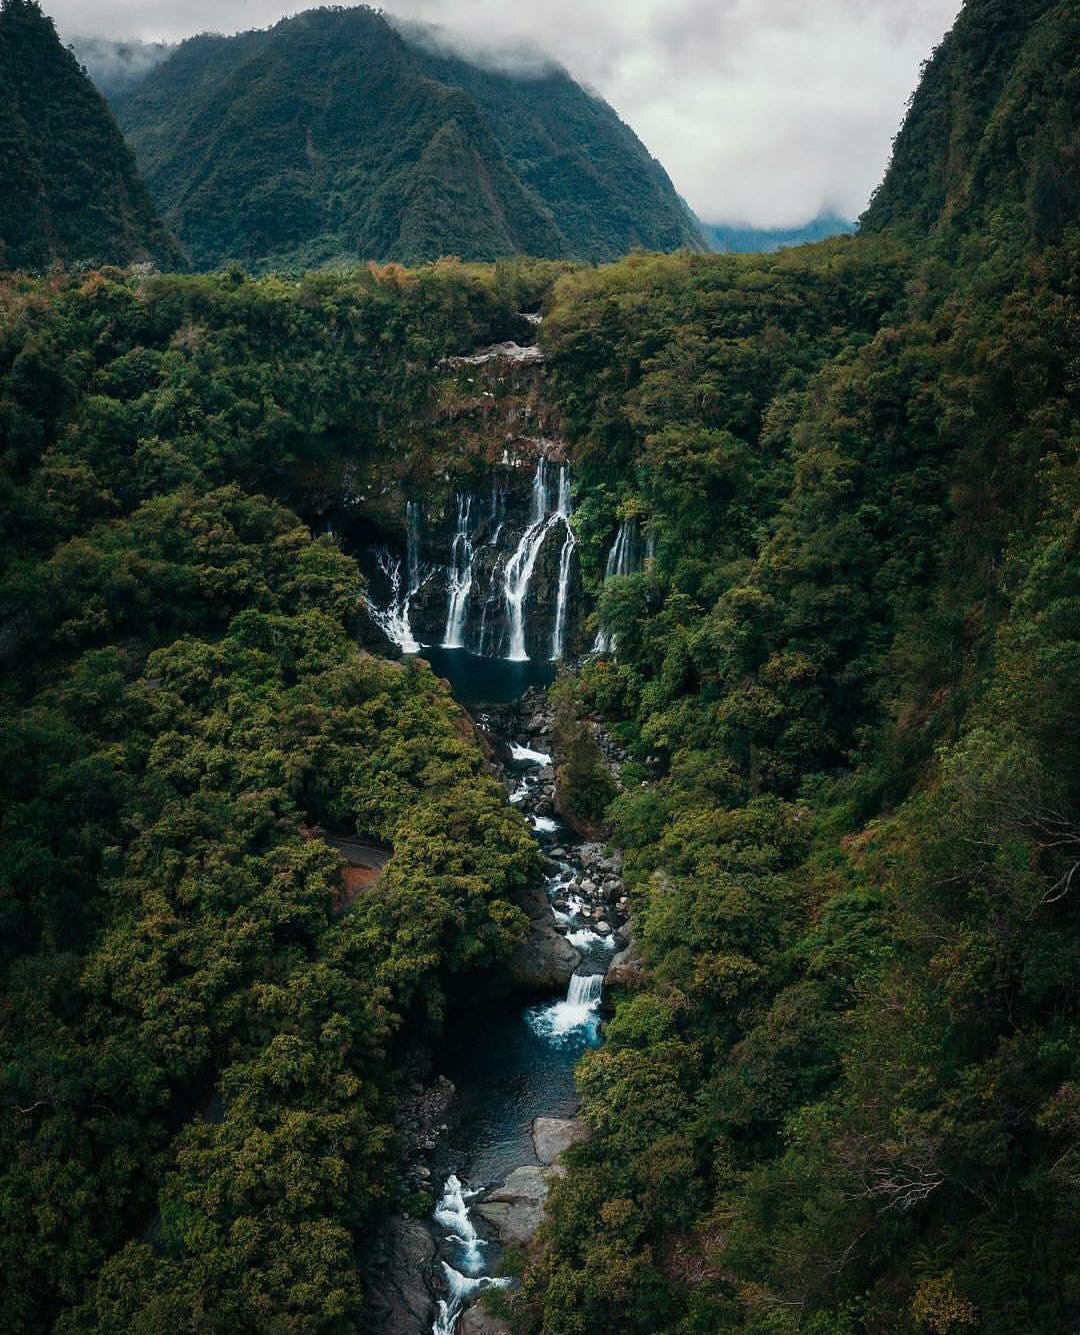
{"type": "Point", "coordinates": [766, 113]}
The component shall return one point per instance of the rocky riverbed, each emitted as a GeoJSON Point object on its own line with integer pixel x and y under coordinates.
{"type": "Point", "coordinates": [483, 1148]}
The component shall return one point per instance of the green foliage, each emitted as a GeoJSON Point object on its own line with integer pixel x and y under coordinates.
{"type": "Point", "coordinates": [334, 137]}
{"type": "Point", "coordinates": [838, 1101]}
{"type": "Point", "coordinates": [198, 1054]}
{"type": "Point", "coordinates": [71, 191]}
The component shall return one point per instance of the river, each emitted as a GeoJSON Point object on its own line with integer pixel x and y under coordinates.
{"type": "Point", "coordinates": [512, 1062]}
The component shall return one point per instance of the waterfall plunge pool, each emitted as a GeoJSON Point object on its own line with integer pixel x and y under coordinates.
{"type": "Point", "coordinates": [486, 681]}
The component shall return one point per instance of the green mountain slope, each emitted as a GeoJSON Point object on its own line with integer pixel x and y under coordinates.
{"type": "Point", "coordinates": [331, 138]}
{"type": "Point", "coordinates": [70, 187]}
{"type": "Point", "coordinates": [992, 125]}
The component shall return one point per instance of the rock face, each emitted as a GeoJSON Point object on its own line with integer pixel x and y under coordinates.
{"type": "Point", "coordinates": [476, 1321]}
{"type": "Point", "coordinates": [401, 1297]}
{"type": "Point", "coordinates": [626, 969]}
{"type": "Point", "coordinates": [551, 1135]}
{"type": "Point", "coordinates": [544, 959]}
{"type": "Point", "coordinates": [514, 1210]}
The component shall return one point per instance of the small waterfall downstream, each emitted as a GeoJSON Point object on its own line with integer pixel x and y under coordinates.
{"type": "Point", "coordinates": [460, 577]}
{"type": "Point", "coordinates": [580, 1010]}
{"type": "Point", "coordinates": [622, 560]}
{"type": "Point", "coordinates": [452, 1213]}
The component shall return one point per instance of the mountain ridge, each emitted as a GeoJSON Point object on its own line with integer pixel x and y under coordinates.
{"type": "Point", "coordinates": [422, 153]}
{"type": "Point", "coordinates": [72, 190]}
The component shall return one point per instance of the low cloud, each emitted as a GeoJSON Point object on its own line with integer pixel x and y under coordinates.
{"type": "Point", "coordinates": [765, 112]}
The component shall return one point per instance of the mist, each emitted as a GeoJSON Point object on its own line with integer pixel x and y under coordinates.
{"type": "Point", "coordinates": [765, 113]}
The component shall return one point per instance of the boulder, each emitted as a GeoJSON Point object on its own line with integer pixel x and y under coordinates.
{"type": "Point", "coordinates": [544, 959]}
{"type": "Point", "coordinates": [514, 1210]}
{"type": "Point", "coordinates": [551, 1135]}
{"type": "Point", "coordinates": [476, 1321]}
{"type": "Point", "coordinates": [401, 1293]}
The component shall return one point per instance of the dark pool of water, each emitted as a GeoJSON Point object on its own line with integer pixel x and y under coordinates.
{"type": "Point", "coordinates": [486, 681]}
{"type": "Point", "coordinates": [506, 1075]}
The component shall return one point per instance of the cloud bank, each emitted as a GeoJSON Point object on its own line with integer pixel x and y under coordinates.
{"type": "Point", "coordinates": [764, 112]}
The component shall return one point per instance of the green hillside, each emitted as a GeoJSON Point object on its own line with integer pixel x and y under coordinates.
{"type": "Point", "coordinates": [330, 138]}
{"type": "Point", "coordinates": [992, 126]}
{"type": "Point", "coordinates": [69, 187]}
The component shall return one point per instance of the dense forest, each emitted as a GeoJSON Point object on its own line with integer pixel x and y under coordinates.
{"type": "Point", "coordinates": [333, 137]}
{"type": "Point", "coordinates": [841, 1095]}
{"type": "Point", "coordinates": [838, 1094]}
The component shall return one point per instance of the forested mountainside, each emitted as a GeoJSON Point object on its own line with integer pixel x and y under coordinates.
{"type": "Point", "coordinates": [119, 67]}
{"type": "Point", "coordinates": [991, 130]}
{"type": "Point", "coordinates": [70, 189]}
{"type": "Point", "coordinates": [331, 138]}
{"type": "Point", "coordinates": [839, 1091]}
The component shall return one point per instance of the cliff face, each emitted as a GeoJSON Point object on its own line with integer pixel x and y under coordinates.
{"type": "Point", "coordinates": [470, 543]}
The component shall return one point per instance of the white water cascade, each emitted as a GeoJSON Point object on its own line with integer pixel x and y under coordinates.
{"type": "Point", "coordinates": [577, 1013]}
{"type": "Point", "coordinates": [622, 560]}
{"type": "Point", "coordinates": [569, 543]}
{"type": "Point", "coordinates": [496, 525]}
{"type": "Point", "coordinates": [393, 619]}
{"type": "Point", "coordinates": [520, 567]}
{"type": "Point", "coordinates": [460, 577]}
{"type": "Point", "coordinates": [452, 1213]}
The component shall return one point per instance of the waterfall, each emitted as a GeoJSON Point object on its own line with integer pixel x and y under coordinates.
{"type": "Point", "coordinates": [496, 525]}
{"type": "Point", "coordinates": [452, 1213]}
{"type": "Point", "coordinates": [393, 619]}
{"type": "Point", "coordinates": [520, 567]}
{"type": "Point", "coordinates": [622, 560]}
{"type": "Point", "coordinates": [585, 989]}
{"type": "Point", "coordinates": [460, 577]}
{"type": "Point", "coordinates": [565, 556]}
{"type": "Point", "coordinates": [574, 1016]}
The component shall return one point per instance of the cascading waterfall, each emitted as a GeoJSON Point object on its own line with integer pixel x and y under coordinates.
{"type": "Point", "coordinates": [452, 1213]}
{"type": "Point", "coordinates": [576, 1014]}
{"type": "Point", "coordinates": [622, 560]}
{"type": "Point", "coordinates": [460, 577]}
{"type": "Point", "coordinates": [520, 567]}
{"type": "Point", "coordinates": [565, 557]}
{"type": "Point", "coordinates": [393, 620]}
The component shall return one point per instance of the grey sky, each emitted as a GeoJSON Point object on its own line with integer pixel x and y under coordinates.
{"type": "Point", "coordinates": [764, 112]}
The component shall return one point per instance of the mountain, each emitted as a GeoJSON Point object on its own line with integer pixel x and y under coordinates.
{"type": "Point", "coordinates": [71, 190]}
{"type": "Point", "coordinates": [992, 125]}
{"type": "Point", "coordinates": [733, 239]}
{"type": "Point", "coordinates": [333, 137]}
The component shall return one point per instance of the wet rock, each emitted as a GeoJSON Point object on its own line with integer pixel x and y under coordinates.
{"type": "Point", "coordinates": [544, 959]}
{"type": "Point", "coordinates": [626, 969]}
{"type": "Point", "coordinates": [401, 1295]}
{"type": "Point", "coordinates": [551, 1135]}
{"type": "Point", "coordinates": [476, 1321]}
{"type": "Point", "coordinates": [514, 1210]}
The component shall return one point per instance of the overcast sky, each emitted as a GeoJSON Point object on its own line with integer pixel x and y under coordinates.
{"type": "Point", "coordinates": [765, 112]}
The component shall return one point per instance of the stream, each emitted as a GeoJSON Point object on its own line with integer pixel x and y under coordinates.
{"type": "Point", "coordinates": [512, 1062]}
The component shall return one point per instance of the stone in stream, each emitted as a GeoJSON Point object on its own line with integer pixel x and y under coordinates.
{"type": "Point", "coordinates": [551, 1135]}
{"type": "Point", "coordinates": [476, 1321]}
{"type": "Point", "coordinates": [514, 1210]}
